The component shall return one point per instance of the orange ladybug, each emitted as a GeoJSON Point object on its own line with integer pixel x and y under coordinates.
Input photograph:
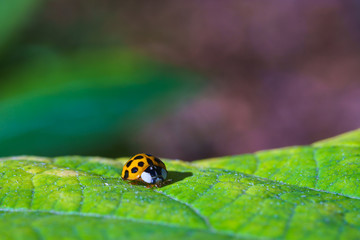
{"type": "Point", "coordinates": [146, 168]}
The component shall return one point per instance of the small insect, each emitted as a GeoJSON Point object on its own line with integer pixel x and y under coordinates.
{"type": "Point", "coordinates": [145, 168]}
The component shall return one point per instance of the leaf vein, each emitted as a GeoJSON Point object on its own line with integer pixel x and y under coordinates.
{"type": "Point", "coordinates": [210, 187]}
{"type": "Point", "coordinates": [82, 187]}
{"type": "Point", "coordinates": [32, 191]}
{"type": "Point", "coordinates": [317, 168]}
{"type": "Point", "coordinates": [243, 192]}
{"type": "Point", "coordinates": [291, 216]}
{"type": "Point", "coordinates": [196, 212]}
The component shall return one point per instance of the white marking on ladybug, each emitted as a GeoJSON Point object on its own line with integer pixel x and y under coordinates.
{"type": "Point", "coordinates": [146, 177]}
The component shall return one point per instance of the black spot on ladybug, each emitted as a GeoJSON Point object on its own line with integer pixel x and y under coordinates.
{"type": "Point", "coordinates": [134, 169]}
{"type": "Point", "coordinates": [158, 170]}
{"type": "Point", "coordinates": [151, 171]}
{"type": "Point", "coordinates": [138, 157]}
{"type": "Point", "coordinates": [140, 164]}
{"type": "Point", "coordinates": [149, 161]}
{"type": "Point", "coordinates": [149, 155]}
{"type": "Point", "coordinates": [158, 160]}
{"type": "Point", "coordinates": [129, 163]}
{"type": "Point", "coordinates": [126, 175]}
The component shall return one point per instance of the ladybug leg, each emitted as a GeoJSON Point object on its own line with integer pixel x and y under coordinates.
{"type": "Point", "coordinates": [166, 182]}
{"type": "Point", "coordinates": [135, 182]}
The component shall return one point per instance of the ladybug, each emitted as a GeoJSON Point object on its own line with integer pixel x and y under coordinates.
{"type": "Point", "coordinates": [145, 168]}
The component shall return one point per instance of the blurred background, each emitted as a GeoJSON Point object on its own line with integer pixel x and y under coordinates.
{"type": "Point", "coordinates": [178, 79]}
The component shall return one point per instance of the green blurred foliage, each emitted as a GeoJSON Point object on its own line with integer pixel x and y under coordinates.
{"type": "Point", "coordinates": [84, 103]}
{"type": "Point", "coordinates": [83, 100]}
{"type": "Point", "coordinates": [14, 14]}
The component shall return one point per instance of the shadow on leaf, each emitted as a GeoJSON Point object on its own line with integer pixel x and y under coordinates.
{"type": "Point", "coordinates": [172, 177]}
{"type": "Point", "coordinates": [178, 176]}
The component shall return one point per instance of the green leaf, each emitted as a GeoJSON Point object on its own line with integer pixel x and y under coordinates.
{"type": "Point", "coordinates": [308, 192]}
{"type": "Point", "coordinates": [84, 102]}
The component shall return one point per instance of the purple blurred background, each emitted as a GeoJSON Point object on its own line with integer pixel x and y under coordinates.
{"type": "Point", "coordinates": [281, 73]}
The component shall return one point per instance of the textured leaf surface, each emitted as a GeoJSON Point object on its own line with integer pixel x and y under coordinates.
{"type": "Point", "coordinates": [292, 193]}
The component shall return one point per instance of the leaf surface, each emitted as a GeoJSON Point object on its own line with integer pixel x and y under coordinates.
{"type": "Point", "coordinates": [305, 192]}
